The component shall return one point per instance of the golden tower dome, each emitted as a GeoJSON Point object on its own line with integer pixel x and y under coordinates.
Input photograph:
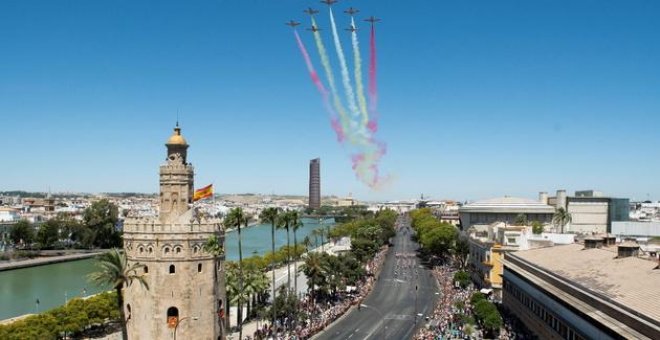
{"type": "Point", "coordinates": [176, 138]}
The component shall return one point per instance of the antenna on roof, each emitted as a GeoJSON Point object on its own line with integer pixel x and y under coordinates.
{"type": "Point", "coordinates": [177, 117]}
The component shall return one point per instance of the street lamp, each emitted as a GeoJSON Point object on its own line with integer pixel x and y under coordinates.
{"type": "Point", "coordinates": [179, 321]}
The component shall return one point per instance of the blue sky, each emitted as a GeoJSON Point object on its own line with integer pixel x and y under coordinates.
{"type": "Point", "coordinates": [477, 98]}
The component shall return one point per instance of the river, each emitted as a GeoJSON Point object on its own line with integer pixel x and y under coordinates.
{"type": "Point", "coordinates": [53, 284]}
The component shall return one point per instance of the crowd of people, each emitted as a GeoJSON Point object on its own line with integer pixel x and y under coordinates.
{"type": "Point", "coordinates": [321, 313]}
{"type": "Point", "coordinates": [453, 302]}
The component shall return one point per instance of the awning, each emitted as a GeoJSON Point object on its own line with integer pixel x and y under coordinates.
{"type": "Point", "coordinates": [486, 291]}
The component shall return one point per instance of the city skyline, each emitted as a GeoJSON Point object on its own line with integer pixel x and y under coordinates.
{"type": "Point", "coordinates": [478, 100]}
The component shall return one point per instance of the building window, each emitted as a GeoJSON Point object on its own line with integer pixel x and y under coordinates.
{"type": "Point", "coordinates": [167, 250]}
{"type": "Point", "coordinates": [151, 250]}
{"type": "Point", "coordinates": [172, 269]}
{"type": "Point", "coordinates": [141, 250]}
{"type": "Point", "coordinates": [172, 316]}
{"type": "Point", "coordinates": [146, 269]}
{"type": "Point", "coordinates": [199, 267]}
{"type": "Point", "coordinates": [178, 250]}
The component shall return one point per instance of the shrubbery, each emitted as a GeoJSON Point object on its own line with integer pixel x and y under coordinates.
{"type": "Point", "coordinates": [463, 278]}
{"type": "Point", "coordinates": [486, 312]}
{"type": "Point", "coordinates": [436, 238]}
{"type": "Point", "coordinates": [73, 319]}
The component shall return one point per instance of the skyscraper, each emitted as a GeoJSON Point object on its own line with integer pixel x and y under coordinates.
{"type": "Point", "coordinates": [315, 183]}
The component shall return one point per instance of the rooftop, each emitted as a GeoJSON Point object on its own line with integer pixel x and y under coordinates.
{"type": "Point", "coordinates": [508, 204]}
{"type": "Point", "coordinates": [630, 281]}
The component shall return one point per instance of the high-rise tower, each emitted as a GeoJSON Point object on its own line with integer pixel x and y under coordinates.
{"type": "Point", "coordinates": [186, 284]}
{"type": "Point", "coordinates": [315, 183]}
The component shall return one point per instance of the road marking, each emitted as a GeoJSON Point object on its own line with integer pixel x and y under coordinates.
{"type": "Point", "coordinates": [399, 317]}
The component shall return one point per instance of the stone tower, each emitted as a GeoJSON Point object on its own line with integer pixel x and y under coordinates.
{"type": "Point", "coordinates": [186, 284]}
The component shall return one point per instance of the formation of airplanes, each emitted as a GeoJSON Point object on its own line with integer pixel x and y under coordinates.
{"type": "Point", "coordinates": [350, 11]}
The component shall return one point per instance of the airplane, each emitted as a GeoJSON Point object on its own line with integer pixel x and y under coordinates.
{"type": "Point", "coordinates": [310, 11]}
{"type": "Point", "coordinates": [372, 20]}
{"type": "Point", "coordinates": [329, 2]}
{"type": "Point", "coordinates": [352, 28]}
{"type": "Point", "coordinates": [292, 23]}
{"type": "Point", "coordinates": [314, 29]}
{"type": "Point", "coordinates": [351, 11]}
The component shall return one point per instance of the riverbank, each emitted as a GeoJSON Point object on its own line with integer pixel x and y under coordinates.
{"type": "Point", "coordinates": [35, 262]}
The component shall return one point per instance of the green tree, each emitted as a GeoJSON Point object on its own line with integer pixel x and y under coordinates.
{"type": "Point", "coordinates": [462, 250]}
{"type": "Point", "coordinates": [520, 220]}
{"type": "Point", "coordinates": [68, 227]}
{"type": "Point", "coordinates": [285, 222]}
{"type": "Point", "coordinates": [101, 219]}
{"type": "Point", "coordinates": [295, 222]}
{"type": "Point", "coordinates": [214, 247]}
{"type": "Point", "coordinates": [463, 278]}
{"type": "Point", "coordinates": [561, 218]}
{"type": "Point", "coordinates": [235, 218]}
{"type": "Point", "coordinates": [537, 227]}
{"type": "Point", "coordinates": [315, 269]}
{"type": "Point", "coordinates": [115, 271]}
{"type": "Point", "coordinates": [439, 239]}
{"type": "Point", "coordinates": [48, 233]}
{"type": "Point", "coordinates": [271, 215]}
{"type": "Point", "coordinates": [22, 233]}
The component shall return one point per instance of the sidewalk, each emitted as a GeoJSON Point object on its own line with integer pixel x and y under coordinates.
{"type": "Point", "coordinates": [44, 260]}
{"type": "Point", "coordinates": [281, 275]}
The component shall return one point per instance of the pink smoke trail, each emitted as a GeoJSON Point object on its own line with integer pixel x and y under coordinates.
{"type": "Point", "coordinates": [336, 126]}
{"type": "Point", "coordinates": [373, 91]}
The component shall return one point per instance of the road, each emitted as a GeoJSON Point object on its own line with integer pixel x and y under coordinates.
{"type": "Point", "coordinates": [389, 311]}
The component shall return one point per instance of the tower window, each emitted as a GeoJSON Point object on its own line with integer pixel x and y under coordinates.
{"type": "Point", "coordinates": [141, 250]}
{"type": "Point", "coordinates": [172, 269]}
{"type": "Point", "coordinates": [178, 250]}
{"type": "Point", "coordinates": [146, 269]}
{"type": "Point", "coordinates": [167, 250]}
{"type": "Point", "coordinates": [172, 315]}
{"type": "Point", "coordinates": [199, 267]}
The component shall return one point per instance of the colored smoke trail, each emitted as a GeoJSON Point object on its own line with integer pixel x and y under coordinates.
{"type": "Point", "coordinates": [325, 61]}
{"type": "Point", "coordinates": [373, 91]}
{"type": "Point", "coordinates": [319, 86]}
{"type": "Point", "coordinates": [365, 165]}
{"type": "Point", "coordinates": [310, 67]}
{"type": "Point", "coordinates": [359, 85]}
{"type": "Point", "coordinates": [346, 79]}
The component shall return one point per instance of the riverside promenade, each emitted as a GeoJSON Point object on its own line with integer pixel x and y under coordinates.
{"type": "Point", "coordinates": [10, 265]}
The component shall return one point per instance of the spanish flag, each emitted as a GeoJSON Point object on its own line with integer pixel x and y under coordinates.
{"type": "Point", "coordinates": [203, 193]}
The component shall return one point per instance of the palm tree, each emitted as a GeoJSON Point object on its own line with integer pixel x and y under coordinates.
{"type": "Point", "coordinates": [214, 247]}
{"type": "Point", "coordinates": [115, 271]}
{"type": "Point", "coordinates": [284, 222]}
{"type": "Point", "coordinates": [235, 218]}
{"type": "Point", "coordinates": [270, 215]}
{"type": "Point", "coordinates": [315, 269]}
{"type": "Point", "coordinates": [295, 225]}
{"type": "Point", "coordinates": [561, 218]}
{"type": "Point", "coordinates": [307, 242]}
{"type": "Point", "coordinates": [321, 233]}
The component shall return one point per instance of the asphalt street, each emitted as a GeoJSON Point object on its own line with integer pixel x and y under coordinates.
{"type": "Point", "coordinates": [403, 295]}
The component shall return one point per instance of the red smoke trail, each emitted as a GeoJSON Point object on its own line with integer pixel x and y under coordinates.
{"type": "Point", "coordinates": [339, 131]}
{"type": "Point", "coordinates": [312, 72]}
{"type": "Point", "coordinates": [373, 91]}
